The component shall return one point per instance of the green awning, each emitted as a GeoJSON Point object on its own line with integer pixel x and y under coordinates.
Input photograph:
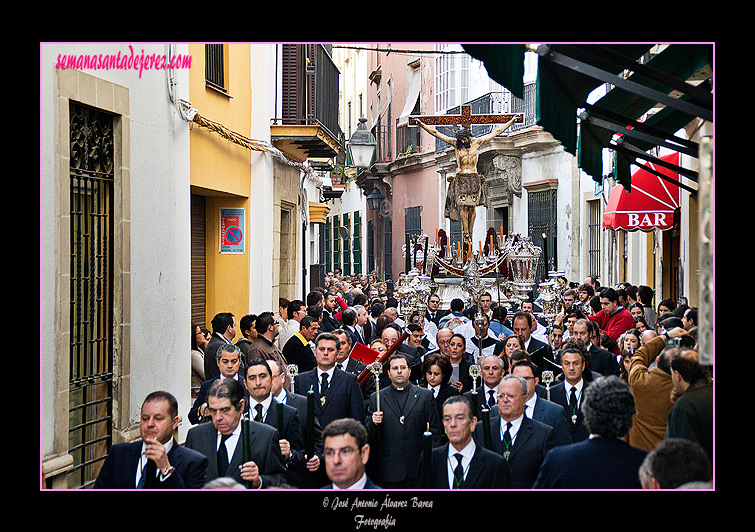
{"type": "Point", "coordinates": [504, 63]}
{"type": "Point", "coordinates": [568, 74]}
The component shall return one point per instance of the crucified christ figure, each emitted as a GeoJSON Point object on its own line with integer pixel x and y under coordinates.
{"type": "Point", "coordinates": [465, 188]}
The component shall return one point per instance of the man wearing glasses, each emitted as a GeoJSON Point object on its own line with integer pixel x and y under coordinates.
{"type": "Point", "coordinates": [522, 441]}
{"type": "Point", "coordinates": [346, 454]}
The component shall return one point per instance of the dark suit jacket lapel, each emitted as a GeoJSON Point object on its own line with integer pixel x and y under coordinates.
{"type": "Point", "coordinates": [412, 399]}
{"type": "Point", "coordinates": [271, 416]}
{"type": "Point", "coordinates": [134, 452]}
{"type": "Point", "coordinates": [524, 433]}
{"type": "Point", "coordinates": [309, 382]}
{"type": "Point", "coordinates": [173, 455]}
{"type": "Point", "coordinates": [335, 383]}
{"type": "Point", "coordinates": [476, 467]}
{"type": "Point", "coordinates": [237, 459]}
{"type": "Point", "coordinates": [495, 434]}
{"type": "Point", "coordinates": [388, 398]}
{"type": "Point", "coordinates": [440, 466]}
{"type": "Point", "coordinates": [210, 450]}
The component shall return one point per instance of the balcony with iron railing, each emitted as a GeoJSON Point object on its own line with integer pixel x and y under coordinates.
{"type": "Point", "coordinates": [407, 139]}
{"type": "Point", "coordinates": [308, 126]}
{"type": "Point", "coordinates": [495, 103]}
{"type": "Point", "coordinates": [326, 75]}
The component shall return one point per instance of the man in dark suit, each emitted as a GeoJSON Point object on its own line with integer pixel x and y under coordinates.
{"type": "Point", "coordinates": [569, 392]}
{"type": "Point", "coordinates": [346, 455]}
{"type": "Point", "coordinates": [598, 360]}
{"type": "Point", "coordinates": [462, 463]}
{"type": "Point", "coordinates": [433, 312]}
{"type": "Point", "coordinates": [337, 393]}
{"type": "Point", "coordinates": [222, 442]}
{"type": "Point", "coordinates": [491, 371]}
{"type": "Point", "coordinates": [538, 407]}
{"type": "Point", "coordinates": [229, 359]}
{"type": "Point", "coordinates": [260, 406]}
{"type": "Point", "coordinates": [604, 461]}
{"type": "Point", "coordinates": [396, 428]}
{"type": "Point", "coordinates": [522, 441]}
{"type": "Point", "coordinates": [157, 461]}
{"type": "Point", "coordinates": [223, 332]}
{"type": "Point", "coordinates": [349, 318]}
{"type": "Point", "coordinates": [299, 402]}
{"type": "Point", "coordinates": [540, 352]}
{"type": "Point", "coordinates": [346, 363]}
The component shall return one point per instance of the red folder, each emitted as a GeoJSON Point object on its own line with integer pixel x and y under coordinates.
{"type": "Point", "coordinates": [363, 353]}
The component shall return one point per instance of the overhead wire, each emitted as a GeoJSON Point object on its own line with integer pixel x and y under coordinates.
{"type": "Point", "coordinates": [192, 116]}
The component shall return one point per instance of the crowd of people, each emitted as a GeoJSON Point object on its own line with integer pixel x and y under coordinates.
{"type": "Point", "coordinates": [610, 394]}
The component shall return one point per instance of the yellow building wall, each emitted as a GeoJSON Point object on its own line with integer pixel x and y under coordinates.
{"type": "Point", "coordinates": [220, 170]}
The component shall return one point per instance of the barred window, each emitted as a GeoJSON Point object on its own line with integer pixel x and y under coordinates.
{"type": "Point", "coordinates": [214, 68]}
{"type": "Point", "coordinates": [541, 210]}
{"type": "Point", "coordinates": [413, 220]}
{"type": "Point", "coordinates": [594, 234]}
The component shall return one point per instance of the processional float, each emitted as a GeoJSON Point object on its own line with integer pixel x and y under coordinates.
{"type": "Point", "coordinates": [506, 265]}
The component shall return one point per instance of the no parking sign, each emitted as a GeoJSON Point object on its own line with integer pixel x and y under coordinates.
{"type": "Point", "coordinates": [232, 230]}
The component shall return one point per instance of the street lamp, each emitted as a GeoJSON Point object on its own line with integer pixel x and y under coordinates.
{"type": "Point", "coordinates": [374, 199]}
{"type": "Point", "coordinates": [362, 145]}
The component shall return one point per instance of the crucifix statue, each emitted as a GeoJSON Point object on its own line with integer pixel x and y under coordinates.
{"type": "Point", "coordinates": [465, 188]}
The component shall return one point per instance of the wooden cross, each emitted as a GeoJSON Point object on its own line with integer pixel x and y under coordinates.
{"type": "Point", "coordinates": [466, 118]}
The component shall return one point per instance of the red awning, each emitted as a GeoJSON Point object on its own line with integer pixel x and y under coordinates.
{"type": "Point", "coordinates": [650, 204]}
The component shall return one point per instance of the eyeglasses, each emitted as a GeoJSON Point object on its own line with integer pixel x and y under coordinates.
{"type": "Point", "coordinates": [509, 396]}
{"type": "Point", "coordinates": [345, 452]}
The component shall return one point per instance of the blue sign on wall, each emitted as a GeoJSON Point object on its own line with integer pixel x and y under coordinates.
{"type": "Point", "coordinates": [232, 227]}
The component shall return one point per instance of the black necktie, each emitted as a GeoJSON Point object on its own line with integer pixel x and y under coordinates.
{"type": "Point", "coordinates": [148, 475]}
{"type": "Point", "coordinates": [491, 401]}
{"type": "Point", "coordinates": [324, 384]}
{"type": "Point", "coordinates": [507, 435]}
{"type": "Point", "coordinates": [458, 471]}
{"type": "Point", "coordinates": [573, 399]}
{"type": "Point", "coordinates": [223, 456]}
{"type": "Point", "coordinates": [258, 417]}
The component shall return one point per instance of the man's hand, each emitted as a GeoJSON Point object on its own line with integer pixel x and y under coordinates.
{"type": "Point", "coordinates": [155, 451]}
{"type": "Point", "coordinates": [285, 448]}
{"type": "Point", "coordinates": [251, 473]}
{"type": "Point", "coordinates": [313, 464]}
{"type": "Point", "coordinates": [377, 418]}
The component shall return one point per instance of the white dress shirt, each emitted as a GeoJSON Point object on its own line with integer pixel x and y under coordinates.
{"type": "Point", "coordinates": [466, 453]}
{"type": "Point", "coordinates": [231, 442]}
{"type": "Point", "coordinates": [143, 460]}
{"type": "Point", "coordinates": [253, 406]}
{"type": "Point", "coordinates": [330, 376]}
{"type": "Point", "coordinates": [358, 485]}
{"type": "Point", "coordinates": [515, 424]}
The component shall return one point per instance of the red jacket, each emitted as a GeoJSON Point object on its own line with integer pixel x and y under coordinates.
{"type": "Point", "coordinates": [614, 325]}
